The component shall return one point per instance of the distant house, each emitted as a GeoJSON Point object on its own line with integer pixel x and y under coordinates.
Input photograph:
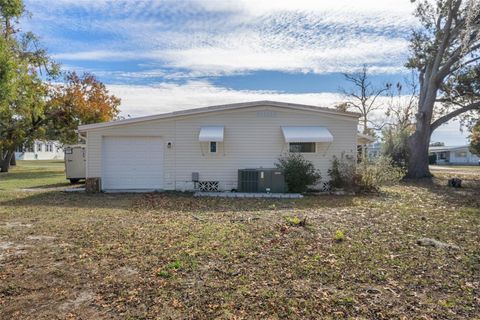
{"type": "Point", "coordinates": [459, 155]}
{"type": "Point", "coordinates": [40, 150]}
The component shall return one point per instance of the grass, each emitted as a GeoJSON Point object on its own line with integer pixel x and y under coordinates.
{"type": "Point", "coordinates": [133, 256]}
{"type": "Point", "coordinates": [34, 174]}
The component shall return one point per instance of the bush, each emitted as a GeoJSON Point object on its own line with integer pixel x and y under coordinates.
{"type": "Point", "coordinates": [339, 236]}
{"type": "Point", "coordinates": [367, 176]}
{"type": "Point", "coordinates": [299, 172]}
{"type": "Point", "coordinates": [395, 145]}
{"type": "Point", "coordinates": [342, 173]}
{"type": "Point", "coordinates": [377, 172]}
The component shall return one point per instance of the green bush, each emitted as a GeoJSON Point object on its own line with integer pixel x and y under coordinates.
{"type": "Point", "coordinates": [377, 172]}
{"type": "Point", "coordinates": [339, 236]}
{"type": "Point", "coordinates": [343, 173]}
{"type": "Point", "coordinates": [299, 172]}
{"type": "Point", "coordinates": [395, 145]}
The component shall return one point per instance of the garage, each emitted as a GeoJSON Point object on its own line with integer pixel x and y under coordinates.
{"type": "Point", "coordinates": [132, 163]}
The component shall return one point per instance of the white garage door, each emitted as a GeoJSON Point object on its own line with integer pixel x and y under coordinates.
{"type": "Point", "coordinates": [132, 163]}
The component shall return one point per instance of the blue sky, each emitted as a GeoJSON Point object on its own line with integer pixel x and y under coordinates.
{"type": "Point", "coordinates": [164, 55]}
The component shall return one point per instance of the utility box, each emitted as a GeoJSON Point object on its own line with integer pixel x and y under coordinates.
{"type": "Point", "coordinates": [75, 162]}
{"type": "Point", "coordinates": [261, 180]}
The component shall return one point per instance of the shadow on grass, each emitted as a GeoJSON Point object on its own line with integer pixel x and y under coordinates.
{"type": "Point", "coordinates": [468, 195]}
{"type": "Point", "coordinates": [27, 175]}
{"type": "Point", "coordinates": [180, 202]}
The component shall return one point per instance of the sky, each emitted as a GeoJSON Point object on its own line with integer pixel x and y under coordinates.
{"type": "Point", "coordinates": [165, 55]}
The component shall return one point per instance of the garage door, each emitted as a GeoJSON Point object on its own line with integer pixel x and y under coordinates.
{"type": "Point", "coordinates": [132, 163]}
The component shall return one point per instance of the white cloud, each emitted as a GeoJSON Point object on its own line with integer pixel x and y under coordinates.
{"type": "Point", "coordinates": [211, 37]}
{"type": "Point", "coordinates": [167, 97]}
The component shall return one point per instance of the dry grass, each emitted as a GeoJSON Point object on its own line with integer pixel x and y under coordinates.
{"type": "Point", "coordinates": [172, 256]}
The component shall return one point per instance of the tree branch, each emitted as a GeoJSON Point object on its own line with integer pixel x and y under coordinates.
{"type": "Point", "coordinates": [437, 123]}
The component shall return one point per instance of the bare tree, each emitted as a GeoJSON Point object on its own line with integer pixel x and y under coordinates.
{"type": "Point", "coordinates": [445, 52]}
{"type": "Point", "coordinates": [400, 111]}
{"type": "Point", "coordinates": [363, 97]}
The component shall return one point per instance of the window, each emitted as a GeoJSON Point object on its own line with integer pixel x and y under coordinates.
{"type": "Point", "coordinates": [461, 154]}
{"type": "Point", "coordinates": [39, 147]}
{"type": "Point", "coordinates": [49, 147]}
{"type": "Point", "coordinates": [19, 149]}
{"type": "Point", "coordinates": [213, 146]}
{"type": "Point", "coordinates": [303, 147]}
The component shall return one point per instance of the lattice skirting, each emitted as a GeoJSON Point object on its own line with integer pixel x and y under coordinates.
{"type": "Point", "coordinates": [208, 186]}
{"type": "Point", "coordinates": [325, 186]}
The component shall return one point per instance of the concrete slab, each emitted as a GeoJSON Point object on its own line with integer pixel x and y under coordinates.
{"type": "Point", "coordinates": [248, 195]}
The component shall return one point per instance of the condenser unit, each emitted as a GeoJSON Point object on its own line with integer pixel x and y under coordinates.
{"type": "Point", "coordinates": [261, 180]}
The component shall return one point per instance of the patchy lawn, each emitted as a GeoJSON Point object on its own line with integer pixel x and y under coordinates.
{"type": "Point", "coordinates": [170, 256]}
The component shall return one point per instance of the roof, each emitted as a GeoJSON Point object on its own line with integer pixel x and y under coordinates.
{"type": "Point", "coordinates": [223, 107]}
{"type": "Point", "coordinates": [447, 148]}
{"type": "Point", "coordinates": [364, 138]}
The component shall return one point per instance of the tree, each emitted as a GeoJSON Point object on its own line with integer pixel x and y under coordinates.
{"type": "Point", "coordinates": [362, 97]}
{"type": "Point", "coordinates": [445, 52]}
{"type": "Point", "coordinates": [398, 125]}
{"type": "Point", "coordinates": [80, 100]}
{"type": "Point", "coordinates": [475, 139]}
{"type": "Point", "coordinates": [22, 92]}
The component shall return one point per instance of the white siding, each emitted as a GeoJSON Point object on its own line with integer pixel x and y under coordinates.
{"type": "Point", "coordinates": [252, 139]}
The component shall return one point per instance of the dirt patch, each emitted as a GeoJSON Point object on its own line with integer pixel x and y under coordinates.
{"type": "Point", "coordinates": [83, 298]}
{"type": "Point", "coordinates": [16, 225]}
{"type": "Point", "coordinates": [41, 238]}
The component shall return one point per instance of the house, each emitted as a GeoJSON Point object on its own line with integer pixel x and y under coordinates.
{"type": "Point", "coordinates": [40, 150]}
{"type": "Point", "coordinates": [456, 155]}
{"type": "Point", "coordinates": [205, 147]}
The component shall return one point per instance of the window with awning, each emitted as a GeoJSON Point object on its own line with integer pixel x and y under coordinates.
{"type": "Point", "coordinates": [306, 134]}
{"type": "Point", "coordinates": [212, 133]}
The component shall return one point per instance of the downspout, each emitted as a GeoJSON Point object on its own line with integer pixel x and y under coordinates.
{"type": "Point", "coordinates": [81, 137]}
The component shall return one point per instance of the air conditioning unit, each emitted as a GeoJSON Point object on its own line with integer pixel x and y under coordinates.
{"type": "Point", "coordinates": [261, 180]}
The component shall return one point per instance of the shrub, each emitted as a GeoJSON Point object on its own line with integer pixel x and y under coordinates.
{"type": "Point", "coordinates": [395, 145]}
{"type": "Point", "coordinates": [367, 176]}
{"type": "Point", "coordinates": [299, 172]}
{"type": "Point", "coordinates": [342, 173]}
{"type": "Point", "coordinates": [339, 236]}
{"type": "Point", "coordinates": [377, 172]}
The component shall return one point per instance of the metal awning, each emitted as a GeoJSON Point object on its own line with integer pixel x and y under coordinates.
{"type": "Point", "coordinates": [306, 134]}
{"type": "Point", "coordinates": [214, 133]}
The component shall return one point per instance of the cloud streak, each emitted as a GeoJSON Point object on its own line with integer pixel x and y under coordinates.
{"type": "Point", "coordinates": [210, 37]}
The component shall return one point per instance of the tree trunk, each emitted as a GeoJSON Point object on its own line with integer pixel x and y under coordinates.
{"type": "Point", "coordinates": [418, 144]}
{"type": "Point", "coordinates": [13, 161]}
{"type": "Point", "coordinates": [419, 141]}
{"type": "Point", "coordinates": [5, 162]}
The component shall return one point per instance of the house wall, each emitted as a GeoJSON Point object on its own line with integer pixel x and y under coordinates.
{"type": "Point", "coordinates": [456, 158]}
{"type": "Point", "coordinates": [252, 139]}
{"type": "Point", "coordinates": [39, 152]}
{"type": "Point", "coordinates": [453, 157]}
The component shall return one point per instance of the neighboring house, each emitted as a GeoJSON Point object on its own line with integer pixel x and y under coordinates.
{"type": "Point", "coordinates": [40, 150]}
{"type": "Point", "coordinates": [364, 142]}
{"type": "Point", "coordinates": [454, 155]}
{"type": "Point", "coordinates": [373, 150]}
{"type": "Point", "coordinates": [194, 148]}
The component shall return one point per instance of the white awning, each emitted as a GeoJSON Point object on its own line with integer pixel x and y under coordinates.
{"type": "Point", "coordinates": [306, 134]}
{"type": "Point", "coordinates": [211, 134]}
